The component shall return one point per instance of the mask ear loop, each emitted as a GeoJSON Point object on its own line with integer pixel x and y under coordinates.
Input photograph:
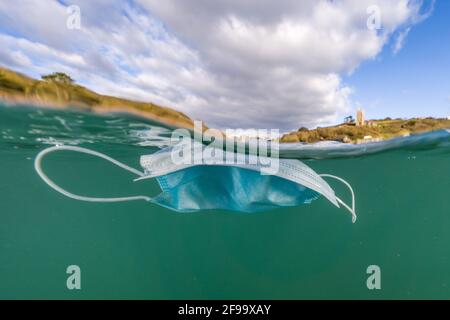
{"type": "Point", "coordinates": [352, 210]}
{"type": "Point", "coordinates": [40, 172]}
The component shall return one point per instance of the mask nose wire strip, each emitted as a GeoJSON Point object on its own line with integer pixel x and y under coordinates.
{"type": "Point", "coordinates": [352, 210]}
{"type": "Point", "coordinates": [43, 153]}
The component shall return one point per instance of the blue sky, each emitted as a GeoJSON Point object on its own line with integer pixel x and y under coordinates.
{"type": "Point", "coordinates": [243, 64]}
{"type": "Point", "coordinates": [416, 80]}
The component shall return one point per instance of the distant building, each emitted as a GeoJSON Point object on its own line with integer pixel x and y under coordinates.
{"type": "Point", "coordinates": [371, 123]}
{"type": "Point", "coordinates": [360, 119]}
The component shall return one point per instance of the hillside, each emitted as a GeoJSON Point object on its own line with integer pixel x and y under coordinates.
{"type": "Point", "coordinates": [18, 88]}
{"type": "Point", "coordinates": [377, 130]}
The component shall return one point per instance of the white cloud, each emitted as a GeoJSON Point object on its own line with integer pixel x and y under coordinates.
{"type": "Point", "coordinates": [254, 63]}
{"type": "Point", "coordinates": [278, 63]}
{"type": "Point", "coordinates": [116, 56]}
{"type": "Point", "coordinates": [400, 41]}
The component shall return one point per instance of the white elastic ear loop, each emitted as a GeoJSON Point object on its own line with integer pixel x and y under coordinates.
{"type": "Point", "coordinates": [43, 153]}
{"type": "Point", "coordinates": [352, 210]}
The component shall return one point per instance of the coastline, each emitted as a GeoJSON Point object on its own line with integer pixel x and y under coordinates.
{"type": "Point", "coordinates": [59, 91]}
{"type": "Point", "coordinates": [374, 131]}
{"type": "Point", "coordinates": [143, 114]}
{"type": "Point", "coordinates": [17, 101]}
{"type": "Point", "coordinates": [19, 89]}
{"type": "Point", "coordinates": [36, 103]}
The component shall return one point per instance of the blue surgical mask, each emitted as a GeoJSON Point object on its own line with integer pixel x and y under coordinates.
{"type": "Point", "coordinates": [241, 188]}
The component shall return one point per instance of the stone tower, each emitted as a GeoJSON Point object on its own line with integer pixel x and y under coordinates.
{"type": "Point", "coordinates": [360, 121]}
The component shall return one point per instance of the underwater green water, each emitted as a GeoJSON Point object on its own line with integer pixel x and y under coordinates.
{"type": "Point", "coordinates": [138, 250]}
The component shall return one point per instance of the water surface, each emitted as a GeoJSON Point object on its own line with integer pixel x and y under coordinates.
{"type": "Point", "coordinates": [141, 251]}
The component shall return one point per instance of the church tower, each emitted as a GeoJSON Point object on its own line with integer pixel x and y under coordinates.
{"type": "Point", "coordinates": [360, 120]}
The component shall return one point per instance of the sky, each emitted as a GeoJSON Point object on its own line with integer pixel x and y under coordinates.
{"type": "Point", "coordinates": [268, 64]}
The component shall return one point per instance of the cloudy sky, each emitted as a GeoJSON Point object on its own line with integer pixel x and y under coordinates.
{"type": "Point", "coordinates": [255, 63]}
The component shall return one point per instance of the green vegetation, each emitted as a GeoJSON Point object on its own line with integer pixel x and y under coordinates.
{"type": "Point", "coordinates": [375, 130]}
{"type": "Point", "coordinates": [58, 77]}
{"type": "Point", "coordinates": [60, 90]}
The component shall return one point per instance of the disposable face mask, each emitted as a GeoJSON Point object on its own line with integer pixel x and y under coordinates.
{"type": "Point", "coordinates": [233, 187]}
